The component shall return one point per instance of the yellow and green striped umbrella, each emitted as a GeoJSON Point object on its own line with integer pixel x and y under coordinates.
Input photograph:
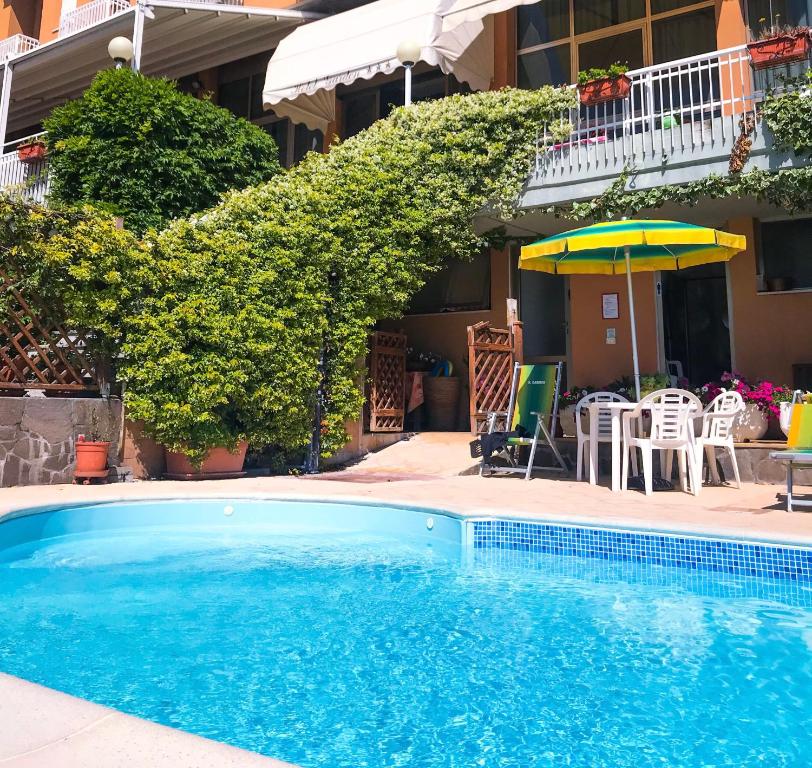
{"type": "Point", "coordinates": [626, 246]}
{"type": "Point", "coordinates": [600, 249]}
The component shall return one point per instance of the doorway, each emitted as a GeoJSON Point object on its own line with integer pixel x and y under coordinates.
{"type": "Point", "coordinates": [696, 321]}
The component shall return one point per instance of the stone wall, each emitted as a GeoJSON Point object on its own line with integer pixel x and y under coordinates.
{"type": "Point", "coordinates": [38, 434]}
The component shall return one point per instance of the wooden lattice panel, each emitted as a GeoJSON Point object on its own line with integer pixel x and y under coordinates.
{"type": "Point", "coordinates": [36, 352]}
{"type": "Point", "coordinates": [491, 354]}
{"type": "Point", "coordinates": [387, 387]}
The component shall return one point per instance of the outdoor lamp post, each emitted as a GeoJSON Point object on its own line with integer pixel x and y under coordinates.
{"type": "Point", "coordinates": [120, 50]}
{"type": "Point", "coordinates": [408, 54]}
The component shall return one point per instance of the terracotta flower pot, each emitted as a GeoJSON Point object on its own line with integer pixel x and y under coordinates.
{"type": "Point", "coordinates": [780, 49]}
{"type": "Point", "coordinates": [219, 463]}
{"type": "Point", "coordinates": [32, 153]}
{"type": "Point", "coordinates": [91, 457]}
{"type": "Point", "coordinates": [604, 89]}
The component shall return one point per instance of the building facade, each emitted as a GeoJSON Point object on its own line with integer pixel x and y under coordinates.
{"type": "Point", "coordinates": [692, 85]}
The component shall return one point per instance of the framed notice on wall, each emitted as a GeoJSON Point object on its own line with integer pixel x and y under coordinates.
{"type": "Point", "coordinates": [610, 306]}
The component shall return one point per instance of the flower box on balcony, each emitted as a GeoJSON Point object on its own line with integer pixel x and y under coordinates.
{"type": "Point", "coordinates": [779, 49]}
{"type": "Point", "coordinates": [32, 152]}
{"type": "Point", "coordinates": [604, 89]}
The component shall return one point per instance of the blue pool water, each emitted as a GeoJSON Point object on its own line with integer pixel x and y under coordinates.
{"type": "Point", "coordinates": [347, 636]}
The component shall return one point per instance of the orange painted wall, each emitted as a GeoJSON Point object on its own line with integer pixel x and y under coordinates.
{"type": "Point", "coordinates": [19, 17]}
{"type": "Point", "coordinates": [769, 332]}
{"type": "Point", "coordinates": [593, 361]}
{"type": "Point", "coordinates": [731, 29]}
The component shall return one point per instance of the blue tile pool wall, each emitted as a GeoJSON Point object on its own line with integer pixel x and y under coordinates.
{"type": "Point", "coordinates": [739, 558]}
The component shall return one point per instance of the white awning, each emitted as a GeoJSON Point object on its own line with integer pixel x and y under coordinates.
{"type": "Point", "coordinates": [311, 62]}
{"type": "Point", "coordinates": [468, 11]}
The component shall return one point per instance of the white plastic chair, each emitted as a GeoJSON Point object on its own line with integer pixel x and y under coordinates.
{"type": "Point", "coordinates": [601, 432]}
{"type": "Point", "coordinates": [672, 413]}
{"type": "Point", "coordinates": [717, 432]}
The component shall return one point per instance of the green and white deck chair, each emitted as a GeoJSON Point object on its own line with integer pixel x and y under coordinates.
{"type": "Point", "coordinates": [533, 405]}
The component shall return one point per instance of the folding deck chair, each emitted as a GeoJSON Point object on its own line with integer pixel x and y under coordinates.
{"type": "Point", "coordinates": [533, 399]}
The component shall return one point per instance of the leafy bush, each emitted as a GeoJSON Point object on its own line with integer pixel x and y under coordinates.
{"type": "Point", "coordinates": [597, 73]}
{"type": "Point", "coordinates": [788, 113]}
{"type": "Point", "coordinates": [227, 346]}
{"type": "Point", "coordinates": [143, 150]}
{"type": "Point", "coordinates": [77, 263]}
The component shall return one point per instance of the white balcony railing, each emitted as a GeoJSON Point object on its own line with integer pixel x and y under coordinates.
{"type": "Point", "coordinates": [27, 180]}
{"type": "Point", "coordinates": [89, 14]}
{"type": "Point", "coordinates": [679, 107]}
{"type": "Point", "coordinates": [15, 45]}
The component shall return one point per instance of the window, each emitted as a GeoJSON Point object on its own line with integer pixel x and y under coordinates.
{"type": "Point", "coordinates": [549, 66]}
{"type": "Point", "coordinates": [626, 47]}
{"type": "Point", "coordinates": [786, 254]}
{"type": "Point", "coordinates": [597, 14]}
{"type": "Point", "coordinates": [459, 286]}
{"type": "Point", "coordinates": [687, 34]}
{"type": "Point", "coordinates": [359, 109]}
{"type": "Point", "coordinates": [792, 12]}
{"type": "Point", "coordinates": [555, 39]}
{"type": "Point", "coordinates": [235, 96]}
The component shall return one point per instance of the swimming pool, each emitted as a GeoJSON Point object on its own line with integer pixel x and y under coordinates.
{"type": "Point", "coordinates": [346, 635]}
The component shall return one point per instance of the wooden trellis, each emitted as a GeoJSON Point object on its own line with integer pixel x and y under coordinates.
{"type": "Point", "coordinates": [387, 381]}
{"type": "Point", "coordinates": [491, 354]}
{"type": "Point", "coordinates": [37, 352]}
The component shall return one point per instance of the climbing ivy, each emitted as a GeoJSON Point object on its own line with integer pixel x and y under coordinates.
{"type": "Point", "coordinates": [788, 113]}
{"type": "Point", "coordinates": [789, 189]}
{"type": "Point", "coordinates": [227, 346]}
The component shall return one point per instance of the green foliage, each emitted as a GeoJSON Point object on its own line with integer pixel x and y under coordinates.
{"type": "Point", "coordinates": [596, 73]}
{"type": "Point", "coordinates": [227, 346]}
{"type": "Point", "coordinates": [790, 189]}
{"type": "Point", "coordinates": [788, 113]}
{"type": "Point", "coordinates": [78, 264]}
{"type": "Point", "coordinates": [139, 148]}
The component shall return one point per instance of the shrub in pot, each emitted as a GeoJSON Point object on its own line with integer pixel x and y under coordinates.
{"type": "Point", "coordinates": [596, 86]}
{"type": "Point", "coordinates": [778, 45]}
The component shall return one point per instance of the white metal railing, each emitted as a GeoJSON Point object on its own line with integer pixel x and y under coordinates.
{"type": "Point", "coordinates": [679, 106]}
{"type": "Point", "coordinates": [26, 180]}
{"type": "Point", "coordinates": [15, 45]}
{"type": "Point", "coordinates": [92, 13]}
{"type": "Point", "coordinates": [213, 2]}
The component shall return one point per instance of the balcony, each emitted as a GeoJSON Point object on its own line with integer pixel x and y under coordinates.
{"type": "Point", "coordinates": [89, 14]}
{"type": "Point", "coordinates": [25, 180]}
{"type": "Point", "coordinates": [678, 124]}
{"type": "Point", "coordinates": [15, 45]}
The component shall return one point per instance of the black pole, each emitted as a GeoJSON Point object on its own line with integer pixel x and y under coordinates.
{"type": "Point", "coordinates": [311, 464]}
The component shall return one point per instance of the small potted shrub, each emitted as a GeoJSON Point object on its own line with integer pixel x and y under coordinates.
{"type": "Point", "coordinates": [779, 44]}
{"type": "Point", "coordinates": [32, 151]}
{"type": "Point", "coordinates": [566, 408]}
{"type": "Point", "coordinates": [596, 86]}
{"type": "Point", "coordinates": [91, 450]}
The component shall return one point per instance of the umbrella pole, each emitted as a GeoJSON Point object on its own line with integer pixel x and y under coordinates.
{"type": "Point", "coordinates": [632, 321]}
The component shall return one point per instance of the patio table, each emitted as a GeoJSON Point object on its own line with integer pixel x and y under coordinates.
{"type": "Point", "coordinates": [616, 412]}
{"type": "Point", "coordinates": [794, 459]}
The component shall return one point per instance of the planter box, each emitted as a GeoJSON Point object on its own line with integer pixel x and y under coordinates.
{"type": "Point", "coordinates": [32, 153]}
{"type": "Point", "coordinates": [604, 89]}
{"type": "Point", "coordinates": [219, 463]}
{"type": "Point", "coordinates": [750, 424]}
{"type": "Point", "coordinates": [781, 49]}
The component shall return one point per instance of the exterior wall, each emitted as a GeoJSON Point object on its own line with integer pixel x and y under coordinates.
{"type": "Point", "coordinates": [730, 27]}
{"type": "Point", "coordinates": [447, 333]}
{"type": "Point", "coordinates": [141, 453]}
{"type": "Point", "coordinates": [19, 17]}
{"type": "Point", "coordinates": [38, 434]}
{"type": "Point", "coordinates": [769, 332]}
{"type": "Point", "coordinates": [593, 361]}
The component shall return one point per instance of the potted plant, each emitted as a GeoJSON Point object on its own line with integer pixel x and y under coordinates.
{"type": "Point", "coordinates": [596, 86]}
{"type": "Point", "coordinates": [32, 151]}
{"type": "Point", "coordinates": [566, 408]}
{"type": "Point", "coordinates": [779, 44]}
{"type": "Point", "coordinates": [218, 462]}
{"type": "Point", "coordinates": [762, 401]}
{"type": "Point", "coordinates": [92, 450]}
